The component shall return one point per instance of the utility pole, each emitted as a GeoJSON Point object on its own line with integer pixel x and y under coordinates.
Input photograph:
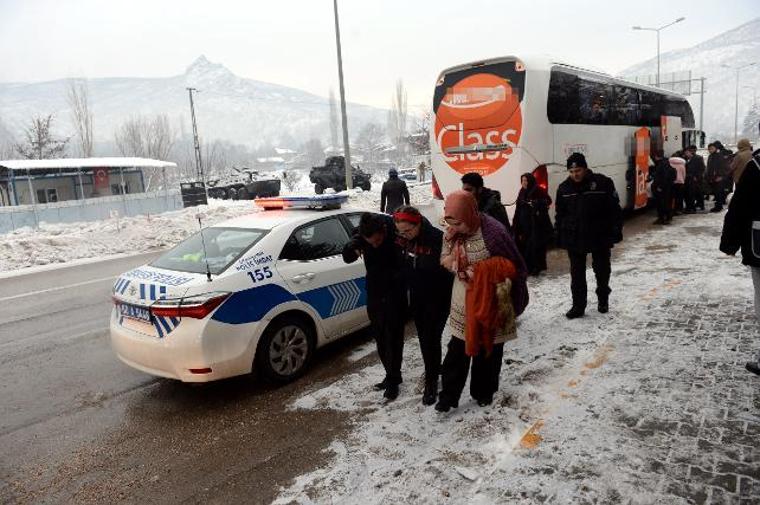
{"type": "Point", "coordinates": [198, 161]}
{"type": "Point", "coordinates": [346, 147]}
{"type": "Point", "coordinates": [701, 103]}
{"type": "Point", "coordinates": [736, 99]}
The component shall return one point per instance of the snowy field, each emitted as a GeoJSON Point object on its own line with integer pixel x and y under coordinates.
{"type": "Point", "coordinates": [554, 433]}
{"type": "Point", "coordinates": [61, 243]}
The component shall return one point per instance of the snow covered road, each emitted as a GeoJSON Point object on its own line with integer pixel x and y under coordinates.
{"type": "Point", "coordinates": [648, 404]}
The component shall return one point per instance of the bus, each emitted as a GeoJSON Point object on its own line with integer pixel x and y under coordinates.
{"type": "Point", "coordinates": [506, 116]}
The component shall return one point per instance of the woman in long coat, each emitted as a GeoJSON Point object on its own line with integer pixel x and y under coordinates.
{"type": "Point", "coordinates": [531, 224]}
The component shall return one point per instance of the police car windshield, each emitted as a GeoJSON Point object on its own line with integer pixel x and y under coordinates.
{"type": "Point", "coordinates": [223, 247]}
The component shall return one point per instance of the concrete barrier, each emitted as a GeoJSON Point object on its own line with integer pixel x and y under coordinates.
{"type": "Point", "coordinates": [90, 209]}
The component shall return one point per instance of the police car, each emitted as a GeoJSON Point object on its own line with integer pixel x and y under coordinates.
{"type": "Point", "coordinates": [258, 292]}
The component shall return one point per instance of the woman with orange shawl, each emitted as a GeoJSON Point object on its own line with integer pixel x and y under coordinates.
{"type": "Point", "coordinates": [484, 259]}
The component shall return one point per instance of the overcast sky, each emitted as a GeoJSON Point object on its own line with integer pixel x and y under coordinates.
{"type": "Point", "coordinates": [292, 42]}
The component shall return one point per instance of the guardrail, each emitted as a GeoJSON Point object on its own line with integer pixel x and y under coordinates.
{"type": "Point", "coordinates": [89, 209]}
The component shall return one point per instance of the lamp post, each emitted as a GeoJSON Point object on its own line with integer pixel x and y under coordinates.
{"type": "Point", "coordinates": [344, 118]}
{"type": "Point", "coordinates": [736, 101]}
{"type": "Point", "coordinates": [658, 30]}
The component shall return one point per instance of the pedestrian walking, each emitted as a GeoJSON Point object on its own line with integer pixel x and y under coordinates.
{"type": "Point", "coordinates": [663, 179]}
{"type": "Point", "coordinates": [429, 288]}
{"type": "Point", "coordinates": [741, 231]}
{"type": "Point", "coordinates": [588, 220]}
{"type": "Point", "coordinates": [695, 176]}
{"type": "Point", "coordinates": [421, 170]}
{"type": "Point", "coordinates": [489, 292]}
{"type": "Point", "coordinates": [741, 159]}
{"type": "Point", "coordinates": [679, 193]}
{"type": "Point", "coordinates": [718, 176]}
{"type": "Point", "coordinates": [531, 225]}
{"type": "Point", "coordinates": [489, 200]}
{"type": "Point", "coordinates": [394, 193]}
{"type": "Point", "coordinates": [375, 241]}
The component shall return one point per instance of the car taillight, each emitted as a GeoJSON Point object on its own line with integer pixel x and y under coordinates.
{"type": "Point", "coordinates": [436, 189]}
{"type": "Point", "coordinates": [196, 306]}
{"type": "Point", "coordinates": [541, 174]}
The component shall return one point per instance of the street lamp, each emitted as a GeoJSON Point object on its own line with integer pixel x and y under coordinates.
{"type": "Point", "coordinates": [736, 101]}
{"type": "Point", "coordinates": [344, 118]}
{"type": "Point", "coordinates": [658, 30]}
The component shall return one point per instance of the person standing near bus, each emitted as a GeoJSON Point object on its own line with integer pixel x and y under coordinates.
{"type": "Point", "coordinates": [588, 219]}
{"type": "Point", "coordinates": [394, 193]}
{"type": "Point", "coordinates": [489, 200]}
{"type": "Point", "coordinates": [718, 175]}
{"type": "Point", "coordinates": [663, 177]}
{"type": "Point", "coordinates": [695, 177]}
{"type": "Point", "coordinates": [679, 165]}
{"type": "Point", "coordinates": [531, 224]}
{"type": "Point", "coordinates": [429, 288]}
{"type": "Point", "coordinates": [375, 241]}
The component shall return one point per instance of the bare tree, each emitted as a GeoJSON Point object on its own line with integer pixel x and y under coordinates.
{"type": "Point", "coordinates": [315, 153]}
{"type": "Point", "coordinates": [160, 137]}
{"type": "Point", "coordinates": [419, 140]}
{"type": "Point", "coordinates": [369, 139]}
{"type": "Point", "coordinates": [79, 100]}
{"type": "Point", "coordinates": [40, 143]}
{"type": "Point", "coordinates": [397, 117]}
{"type": "Point", "coordinates": [333, 121]}
{"type": "Point", "coordinates": [129, 137]}
{"type": "Point", "coordinates": [146, 137]}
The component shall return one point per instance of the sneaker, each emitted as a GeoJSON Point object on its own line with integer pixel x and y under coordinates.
{"type": "Point", "coordinates": [391, 392]}
{"type": "Point", "coordinates": [753, 366]}
{"type": "Point", "coordinates": [575, 312]}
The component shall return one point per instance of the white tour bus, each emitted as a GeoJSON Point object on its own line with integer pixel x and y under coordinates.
{"type": "Point", "coordinates": [507, 116]}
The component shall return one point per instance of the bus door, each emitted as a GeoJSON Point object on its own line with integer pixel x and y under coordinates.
{"type": "Point", "coordinates": [643, 146]}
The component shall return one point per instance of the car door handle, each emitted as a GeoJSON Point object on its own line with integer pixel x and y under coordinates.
{"type": "Point", "coordinates": [303, 277]}
{"type": "Point", "coordinates": [309, 275]}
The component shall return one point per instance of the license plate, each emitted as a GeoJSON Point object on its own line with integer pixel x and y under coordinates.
{"type": "Point", "coordinates": [135, 312]}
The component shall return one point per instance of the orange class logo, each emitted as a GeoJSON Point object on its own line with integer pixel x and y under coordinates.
{"type": "Point", "coordinates": [480, 109]}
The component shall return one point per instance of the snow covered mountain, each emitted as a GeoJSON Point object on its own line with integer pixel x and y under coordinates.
{"type": "Point", "coordinates": [227, 107]}
{"type": "Point", "coordinates": [737, 47]}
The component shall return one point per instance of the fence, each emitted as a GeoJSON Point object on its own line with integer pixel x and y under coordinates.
{"type": "Point", "coordinates": [90, 209]}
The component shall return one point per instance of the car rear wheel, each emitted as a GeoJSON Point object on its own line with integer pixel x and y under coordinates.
{"type": "Point", "coordinates": [285, 349]}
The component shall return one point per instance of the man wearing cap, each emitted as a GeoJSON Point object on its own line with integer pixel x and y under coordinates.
{"type": "Point", "coordinates": [394, 193]}
{"type": "Point", "coordinates": [588, 220]}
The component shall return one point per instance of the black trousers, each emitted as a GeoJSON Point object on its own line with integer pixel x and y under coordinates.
{"type": "Point", "coordinates": [484, 378]}
{"type": "Point", "coordinates": [695, 196]}
{"type": "Point", "coordinates": [388, 329]}
{"type": "Point", "coordinates": [430, 321]}
{"type": "Point", "coordinates": [600, 263]}
{"type": "Point", "coordinates": [664, 202]}
{"type": "Point", "coordinates": [678, 197]}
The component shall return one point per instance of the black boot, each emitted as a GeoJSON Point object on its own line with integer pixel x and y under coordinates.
{"type": "Point", "coordinates": [753, 366]}
{"type": "Point", "coordinates": [603, 306]}
{"type": "Point", "coordinates": [380, 386]}
{"type": "Point", "coordinates": [431, 392]}
{"type": "Point", "coordinates": [575, 312]}
{"type": "Point", "coordinates": [391, 392]}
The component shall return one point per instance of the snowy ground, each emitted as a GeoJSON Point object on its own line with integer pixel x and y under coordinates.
{"type": "Point", "coordinates": [60, 243]}
{"type": "Point", "coordinates": [648, 404]}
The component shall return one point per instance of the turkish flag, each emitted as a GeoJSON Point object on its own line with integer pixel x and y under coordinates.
{"type": "Point", "coordinates": [101, 178]}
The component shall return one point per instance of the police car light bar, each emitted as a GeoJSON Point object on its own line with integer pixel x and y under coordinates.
{"type": "Point", "coordinates": [321, 202]}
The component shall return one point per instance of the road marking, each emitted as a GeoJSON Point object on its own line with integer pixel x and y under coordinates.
{"type": "Point", "coordinates": [59, 288]}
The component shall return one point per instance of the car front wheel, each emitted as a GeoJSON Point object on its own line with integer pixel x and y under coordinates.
{"type": "Point", "coordinates": [285, 350]}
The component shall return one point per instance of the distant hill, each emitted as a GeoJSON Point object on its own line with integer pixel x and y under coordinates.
{"type": "Point", "coordinates": [735, 47]}
{"type": "Point", "coordinates": [228, 107]}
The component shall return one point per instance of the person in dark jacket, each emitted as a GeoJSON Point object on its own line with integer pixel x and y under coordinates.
{"type": "Point", "coordinates": [695, 177]}
{"type": "Point", "coordinates": [588, 220]}
{"type": "Point", "coordinates": [375, 241]}
{"type": "Point", "coordinates": [489, 200]}
{"type": "Point", "coordinates": [741, 230]}
{"type": "Point", "coordinates": [394, 193]}
{"type": "Point", "coordinates": [429, 288]}
{"type": "Point", "coordinates": [663, 178]}
{"type": "Point", "coordinates": [718, 174]}
{"type": "Point", "coordinates": [531, 225]}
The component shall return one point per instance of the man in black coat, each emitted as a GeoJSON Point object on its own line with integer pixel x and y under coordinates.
{"type": "Point", "coordinates": [663, 178]}
{"type": "Point", "coordinates": [718, 170]}
{"type": "Point", "coordinates": [394, 193]}
{"type": "Point", "coordinates": [741, 230]}
{"type": "Point", "coordinates": [375, 240]}
{"type": "Point", "coordinates": [588, 220]}
{"type": "Point", "coordinates": [489, 200]}
{"type": "Point", "coordinates": [430, 288]}
{"type": "Point", "coordinates": [695, 177]}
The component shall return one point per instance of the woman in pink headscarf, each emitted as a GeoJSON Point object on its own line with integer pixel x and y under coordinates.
{"type": "Point", "coordinates": [473, 238]}
{"type": "Point", "coordinates": [679, 193]}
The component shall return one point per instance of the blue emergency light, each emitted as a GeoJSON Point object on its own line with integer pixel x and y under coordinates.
{"type": "Point", "coordinates": [319, 202]}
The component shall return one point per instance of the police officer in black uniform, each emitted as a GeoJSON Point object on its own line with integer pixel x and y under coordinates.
{"type": "Point", "coordinates": [588, 220]}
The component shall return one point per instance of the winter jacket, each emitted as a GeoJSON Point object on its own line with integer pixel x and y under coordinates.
{"type": "Point", "coordinates": [741, 158]}
{"type": "Point", "coordinates": [663, 176]}
{"type": "Point", "coordinates": [588, 214]}
{"type": "Point", "coordinates": [386, 289]}
{"type": "Point", "coordinates": [717, 167]}
{"type": "Point", "coordinates": [489, 202]}
{"type": "Point", "coordinates": [679, 164]}
{"type": "Point", "coordinates": [695, 169]}
{"type": "Point", "coordinates": [393, 195]}
{"type": "Point", "coordinates": [531, 220]}
{"type": "Point", "coordinates": [742, 211]}
{"type": "Point", "coordinates": [429, 282]}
